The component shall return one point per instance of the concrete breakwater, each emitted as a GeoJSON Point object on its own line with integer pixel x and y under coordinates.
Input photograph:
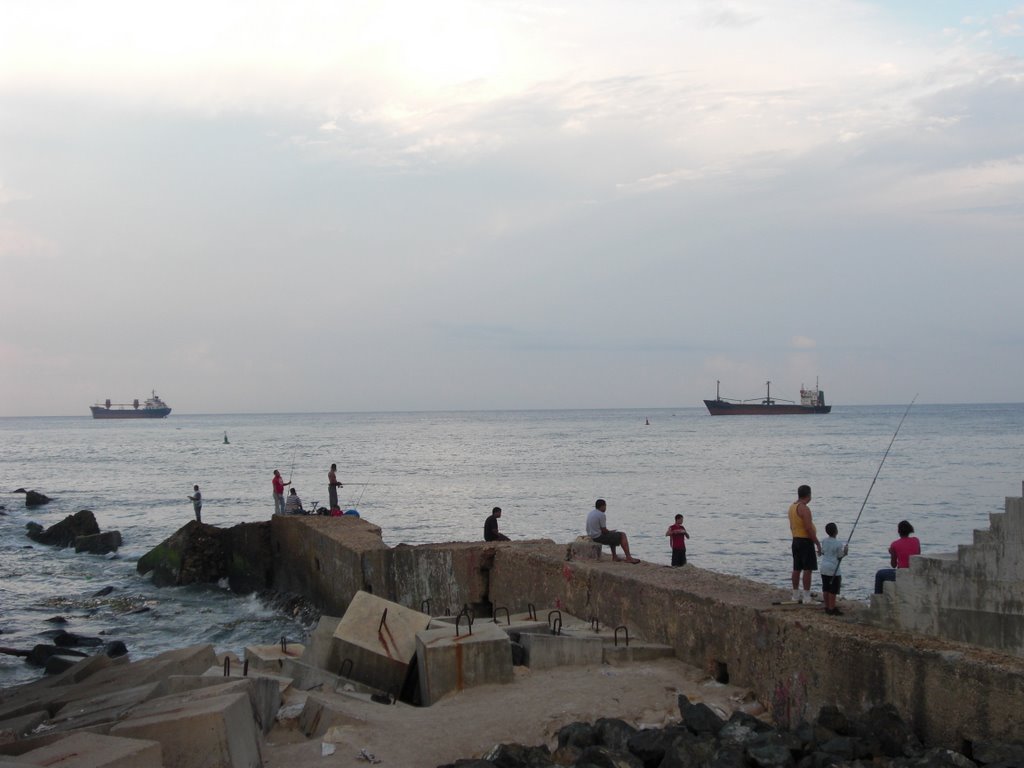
{"type": "Point", "coordinates": [794, 658]}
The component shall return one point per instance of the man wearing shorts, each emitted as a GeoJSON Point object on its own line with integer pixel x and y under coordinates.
{"type": "Point", "coordinates": [597, 529]}
{"type": "Point", "coordinates": [806, 546]}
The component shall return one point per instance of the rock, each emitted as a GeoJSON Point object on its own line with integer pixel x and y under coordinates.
{"type": "Point", "coordinates": [64, 533]}
{"type": "Point", "coordinates": [205, 554]}
{"type": "Point", "coordinates": [884, 725]}
{"type": "Point", "coordinates": [57, 620]}
{"type": "Point", "coordinates": [39, 654]}
{"type": "Point", "coordinates": [613, 733]}
{"type": "Point", "coordinates": [770, 756]}
{"type": "Point", "coordinates": [71, 640]}
{"type": "Point", "coordinates": [98, 543]}
{"type": "Point", "coordinates": [986, 751]}
{"type": "Point", "coordinates": [115, 649]}
{"type": "Point", "coordinates": [580, 735]}
{"type": "Point", "coordinates": [603, 757]}
{"type": "Point", "coordinates": [699, 718]}
{"type": "Point", "coordinates": [650, 744]}
{"type": "Point", "coordinates": [691, 752]}
{"type": "Point", "coordinates": [940, 758]}
{"type": "Point", "coordinates": [103, 592]}
{"type": "Point", "coordinates": [36, 499]}
{"type": "Point", "coordinates": [832, 718]}
{"type": "Point", "coordinates": [518, 756]}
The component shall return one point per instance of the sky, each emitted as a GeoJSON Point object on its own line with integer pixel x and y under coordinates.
{"type": "Point", "coordinates": [324, 206]}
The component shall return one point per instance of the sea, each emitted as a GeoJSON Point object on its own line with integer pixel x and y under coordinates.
{"type": "Point", "coordinates": [434, 476]}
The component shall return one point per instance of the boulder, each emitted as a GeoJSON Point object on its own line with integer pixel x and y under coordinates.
{"type": "Point", "coordinates": [98, 543]}
{"type": "Point", "coordinates": [64, 533]}
{"type": "Point", "coordinates": [203, 554]}
{"type": "Point", "coordinates": [34, 498]}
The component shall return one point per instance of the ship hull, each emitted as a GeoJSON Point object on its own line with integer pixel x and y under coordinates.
{"type": "Point", "coordinates": [725, 408]}
{"type": "Point", "coordinates": [99, 412]}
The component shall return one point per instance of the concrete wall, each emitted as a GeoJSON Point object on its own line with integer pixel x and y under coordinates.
{"type": "Point", "coordinates": [793, 657]}
{"type": "Point", "coordinates": [321, 558]}
{"type": "Point", "coordinates": [975, 595]}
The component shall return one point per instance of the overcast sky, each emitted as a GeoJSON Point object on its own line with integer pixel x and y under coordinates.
{"type": "Point", "coordinates": [327, 206]}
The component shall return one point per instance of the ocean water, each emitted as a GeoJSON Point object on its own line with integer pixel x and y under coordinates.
{"type": "Point", "coordinates": [428, 477]}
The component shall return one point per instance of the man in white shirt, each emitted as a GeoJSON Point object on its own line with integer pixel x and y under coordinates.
{"type": "Point", "coordinates": [597, 529]}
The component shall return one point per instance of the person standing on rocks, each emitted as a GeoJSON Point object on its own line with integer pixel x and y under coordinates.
{"type": "Point", "coordinates": [806, 547]}
{"type": "Point", "coordinates": [197, 503]}
{"type": "Point", "coordinates": [598, 531]}
{"type": "Point", "coordinates": [279, 484]}
{"type": "Point", "coordinates": [332, 487]}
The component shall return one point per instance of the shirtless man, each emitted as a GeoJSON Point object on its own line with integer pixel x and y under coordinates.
{"type": "Point", "coordinates": [806, 547]}
{"type": "Point", "coordinates": [598, 531]}
{"type": "Point", "coordinates": [332, 487]}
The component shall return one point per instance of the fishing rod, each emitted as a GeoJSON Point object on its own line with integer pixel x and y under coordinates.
{"type": "Point", "coordinates": [365, 486]}
{"type": "Point", "coordinates": [848, 538]}
{"type": "Point", "coordinates": [294, 454]}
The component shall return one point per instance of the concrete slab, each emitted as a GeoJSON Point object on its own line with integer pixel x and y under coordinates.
{"type": "Point", "coordinates": [378, 637]}
{"type": "Point", "coordinates": [184, 661]}
{"type": "Point", "coordinates": [320, 650]}
{"type": "Point", "coordinates": [635, 652]}
{"type": "Point", "coordinates": [270, 658]}
{"type": "Point", "coordinates": [17, 727]}
{"type": "Point", "coordinates": [583, 548]}
{"type": "Point", "coordinates": [324, 711]}
{"type": "Point", "coordinates": [89, 750]}
{"type": "Point", "coordinates": [197, 732]}
{"type": "Point", "coordinates": [107, 707]}
{"type": "Point", "coordinates": [264, 692]}
{"type": "Point", "coordinates": [545, 650]}
{"type": "Point", "coordinates": [447, 662]}
{"type": "Point", "coordinates": [217, 673]}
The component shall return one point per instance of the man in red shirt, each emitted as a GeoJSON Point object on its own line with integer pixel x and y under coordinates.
{"type": "Point", "coordinates": [279, 484]}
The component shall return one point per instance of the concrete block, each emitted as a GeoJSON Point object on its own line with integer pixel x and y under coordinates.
{"type": "Point", "coordinates": [197, 732]}
{"type": "Point", "coordinates": [323, 711]}
{"type": "Point", "coordinates": [320, 650]}
{"type": "Point", "coordinates": [106, 707]}
{"type": "Point", "coordinates": [193, 660]}
{"type": "Point", "coordinates": [583, 548]}
{"type": "Point", "coordinates": [264, 692]}
{"type": "Point", "coordinates": [635, 652]}
{"type": "Point", "coordinates": [544, 651]}
{"type": "Point", "coordinates": [379, 637]}
{"type": "Point", "coordinates": [90, 750]}
{"type": "Point", "coordinates": [448, 662]}
{"type": "Point", "coordinates": [16, 727]}
{"type": "Point", "coordinates": [270, 658]}
{"type": "Point", "coordinates": [237, 673]}
{"type": "Point", "coordinates": [306, 677]}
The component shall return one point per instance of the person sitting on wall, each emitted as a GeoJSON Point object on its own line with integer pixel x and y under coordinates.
{"type": "Point", "coordinates": [900, 552]}
{"type": "Point", "coordinates": [491, 527]}
{"type": "Point", "coordinates": [293, 506]}
{"type": "Point", "coordinates": [597, 530]}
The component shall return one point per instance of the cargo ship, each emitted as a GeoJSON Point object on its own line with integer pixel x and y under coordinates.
{"type": "Point", "coordinates": [811, 401]}
{"type": "Point", "coordinates": [153, 408]}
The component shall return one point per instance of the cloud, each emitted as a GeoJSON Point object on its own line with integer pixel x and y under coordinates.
{"type": "Point", "coordinates": [802, 342]}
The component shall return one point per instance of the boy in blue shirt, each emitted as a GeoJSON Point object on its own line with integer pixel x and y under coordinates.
{"type": "Point", "coordinates": [832, 552]}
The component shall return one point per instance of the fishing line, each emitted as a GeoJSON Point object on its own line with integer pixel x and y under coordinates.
{"type": "Point", "coordinates": [365, 486]}
{"type": "Point", "coordinates": [879, 470]}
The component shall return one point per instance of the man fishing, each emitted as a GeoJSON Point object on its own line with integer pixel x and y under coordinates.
{"type": "Point", "coordinates": [806, 547]}
{"type": "Point", "coordinates": [279, 484]}
{"type": "Point", "coordinates": [332, 487]}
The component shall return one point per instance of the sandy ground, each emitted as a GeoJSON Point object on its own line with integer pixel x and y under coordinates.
{"type": "Point", "coordinates": [528, 711]}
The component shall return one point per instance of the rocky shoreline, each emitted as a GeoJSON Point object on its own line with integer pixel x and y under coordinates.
{"type": "Point", "coordinates": [701, 739]}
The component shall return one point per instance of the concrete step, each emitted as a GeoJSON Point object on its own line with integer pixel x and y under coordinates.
{"type": "Point", "coordinates": [636, 652]}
